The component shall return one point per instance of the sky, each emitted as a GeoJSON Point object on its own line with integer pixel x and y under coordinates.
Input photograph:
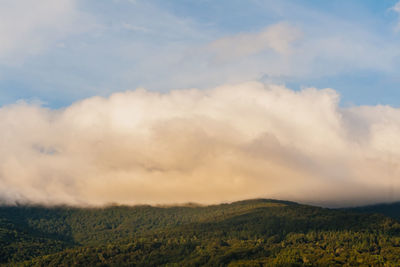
{"type": "Point", "coordinates": [58, 52]}
{"type": "Point", "coordinates": [133, 101]}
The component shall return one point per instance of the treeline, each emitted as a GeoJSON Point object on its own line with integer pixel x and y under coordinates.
{"type": "Point", "coordinates": [247, 233]}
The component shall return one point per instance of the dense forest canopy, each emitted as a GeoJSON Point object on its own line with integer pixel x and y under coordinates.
{"type": "Point", "coordinates": [256, 232]}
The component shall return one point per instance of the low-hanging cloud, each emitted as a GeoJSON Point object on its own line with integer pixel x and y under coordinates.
{"type": "Point", "coordinates": [223, 144]}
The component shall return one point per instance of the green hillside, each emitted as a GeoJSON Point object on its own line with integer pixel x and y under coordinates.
{"type": "Point", "coordinates": [246, 233]}
{"type": "Point", "coordinates": [388, 209]}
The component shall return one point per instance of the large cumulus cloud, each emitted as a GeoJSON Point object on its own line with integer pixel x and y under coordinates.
{"type": "Point", "coordinates": [223, 144]}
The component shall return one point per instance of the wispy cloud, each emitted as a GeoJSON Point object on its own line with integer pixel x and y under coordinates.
{"type": "Point", "coordinates": [131, 27]}
{"type": "Point", "coordinates": [183, 47]}
{"type": "Point", "coordinates": [226, 143]}
{"type": "Point", "coordinates": [396, 8]}
{"type": "Point", "coordinates": [28, 27]}
{"type": "Point", "coordinates": [277, 37]}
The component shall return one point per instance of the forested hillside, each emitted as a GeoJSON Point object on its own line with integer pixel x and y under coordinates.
{"type": "Point", "coordinates": [388, 209]}
{"type": "Point", "coordinates": [246, 233]}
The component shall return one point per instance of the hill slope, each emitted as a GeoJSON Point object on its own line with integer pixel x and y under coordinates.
{"type": "Point", "coordinates": [388, 209]}
{"type": "Point", "coordinates": [246, 233]}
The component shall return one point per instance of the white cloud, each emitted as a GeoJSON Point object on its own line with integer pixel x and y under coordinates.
{"type": "Point", "coordinates": [28, 27]}
{"type": "Point", "coordinates": [277, 37]}
{"type": "Point", "coordinates": [131, 27]}
{"type": "Point", "coordinates": [227, 143]}
{"type": "Point", "coordinates": [396, 8]}
{"type": "Point", "coordinates": [282, 52]}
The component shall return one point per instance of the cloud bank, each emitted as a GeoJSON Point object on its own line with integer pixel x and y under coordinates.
{"type": "Point", "coordinates": [222, 144]}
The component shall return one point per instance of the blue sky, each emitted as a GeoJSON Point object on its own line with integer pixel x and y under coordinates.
{"type": "Point", "coordinates": [57, 52]}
